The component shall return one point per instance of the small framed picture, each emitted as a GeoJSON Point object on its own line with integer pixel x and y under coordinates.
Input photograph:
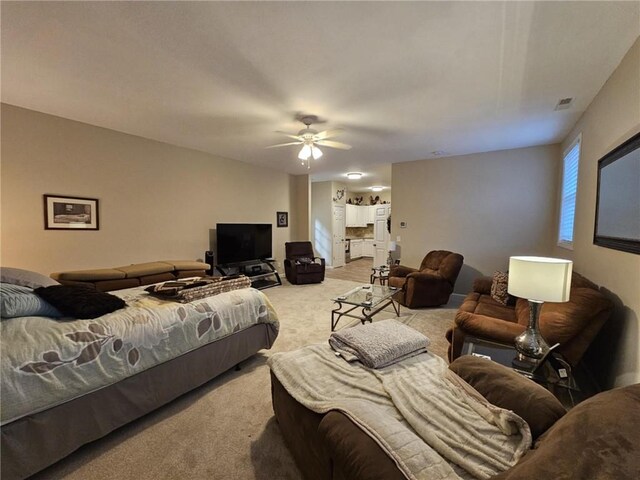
{"type": "Point", "coordinates": [282, 219]}
{"type": "Point", "coordinates": [70, 213]}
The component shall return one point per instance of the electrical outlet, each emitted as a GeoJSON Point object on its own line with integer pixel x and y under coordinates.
{"type": "Point", "coordinates": [398, 239]}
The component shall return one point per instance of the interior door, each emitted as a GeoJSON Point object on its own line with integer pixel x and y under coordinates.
{"type": "Point", "coordinates": [380, 236]}
{"type": "Point", "coordinates": [338, 229]}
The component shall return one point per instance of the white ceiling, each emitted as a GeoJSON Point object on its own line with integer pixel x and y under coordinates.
{"type": "Point", "coordinates": [402, 79]}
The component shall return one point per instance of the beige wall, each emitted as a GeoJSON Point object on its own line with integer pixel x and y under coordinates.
{"type": "Point", "coordinates": [612, 118]}
{"type": "Point", "coordinates": [485, 206]}
{"type": "Point", "coordinates": [301, 207]}
{"type": "Point", "coordinates": [157, 201]}
{"type": "Point", "coordinates": [321, 219]}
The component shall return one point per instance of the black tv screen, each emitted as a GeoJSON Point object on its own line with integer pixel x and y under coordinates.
{"type": "Point", "coordinates": [241, 242]}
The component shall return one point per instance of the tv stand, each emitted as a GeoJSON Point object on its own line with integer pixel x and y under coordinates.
{"type": "Point", "coordinates": [262, 273]}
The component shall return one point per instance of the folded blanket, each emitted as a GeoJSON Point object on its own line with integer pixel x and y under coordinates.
{"type": "Point", "coordinates": [184, 291]}
{"type": "Point", "coordinates": [379, 344]}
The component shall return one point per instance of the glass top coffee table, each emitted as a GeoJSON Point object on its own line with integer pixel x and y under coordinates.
{"type": "Point", "coordinates": [371, 299]}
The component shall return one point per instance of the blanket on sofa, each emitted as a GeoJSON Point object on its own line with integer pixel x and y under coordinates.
{"type": "Point", "coordinates": [433, 424]}
{"type": "Point", "coordinates": [379, 344]}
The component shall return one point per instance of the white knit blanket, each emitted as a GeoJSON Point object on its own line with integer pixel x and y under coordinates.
{"type": "Point", "coordinates": [430, 422]}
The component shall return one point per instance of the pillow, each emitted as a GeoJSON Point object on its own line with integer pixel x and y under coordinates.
{"type": "Point", "coordinates": [304, 260]}
{"type": "Point", "coordinates": [506, 388]}
{"type": "Point", "coordinates": [499, 289]}
{"type": "Point", "coordinates": [80, 301]}
{"type": "Point", "coordinates": [19, 301]}
{"type": "Point", "coordinates": [26, 278]}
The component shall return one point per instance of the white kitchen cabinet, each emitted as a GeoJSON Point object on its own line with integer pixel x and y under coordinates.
{"type": "Point", "coordinates": [357, 215]}
{"type": "Point", "coordinates": [371, 214]}
{"type": "Point", "coordinates": [363, 211]}
{"type": "Point", "coordinates": [356, 248]}
{"type": "Point", "coordinates": [367, 247]}
{"type": "Point", "coordinates": [352, 216]}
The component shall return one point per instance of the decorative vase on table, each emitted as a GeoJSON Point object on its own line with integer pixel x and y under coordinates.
{"type": "Point", "coordinates": [392, 248]}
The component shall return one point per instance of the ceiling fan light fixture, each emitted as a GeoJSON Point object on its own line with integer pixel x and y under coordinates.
{"type": "Point", "coordinates": [305, 153]}
{"type": "Point", "coordinates": [354, 175]}
{"type": "Point", "coordinates": [316, 152]}
{"type": "Point", "coordinates": [377, 188]}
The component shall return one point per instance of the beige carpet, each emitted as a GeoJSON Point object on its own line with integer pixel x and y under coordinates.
{"type": "Point", "coordinates": [226, 429]}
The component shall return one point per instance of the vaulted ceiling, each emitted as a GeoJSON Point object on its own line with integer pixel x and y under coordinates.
{"type": "Point", "coordinates": [403, 79]}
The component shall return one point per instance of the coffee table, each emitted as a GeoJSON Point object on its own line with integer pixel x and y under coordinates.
{"type": "Point", "coordinates": [370, 298]}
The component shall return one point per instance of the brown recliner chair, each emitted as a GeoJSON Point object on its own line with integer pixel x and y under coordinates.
{"type": "Point", "coordinates": [431, 284]}
{"type": "Point", "coordinates": [301, 266]}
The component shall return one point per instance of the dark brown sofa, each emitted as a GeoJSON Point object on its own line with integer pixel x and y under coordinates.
{"type": "Point", "coordinates": [117, 278]}
{"type": "Point", "coordinates": [573, 324]}
{"type": "Point", "coordinates": [597, 440]}
{"type": "Point", "coordinates": [431, 285]}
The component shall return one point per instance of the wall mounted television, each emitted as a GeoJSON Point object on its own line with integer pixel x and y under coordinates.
{"type": "Point", "coordinates": [617, 223]}
{"type": "Point", "coordinates": [243, 242]}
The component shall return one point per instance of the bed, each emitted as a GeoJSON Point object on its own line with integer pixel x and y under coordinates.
{"type": "Point", "coordinates": [67, 382]}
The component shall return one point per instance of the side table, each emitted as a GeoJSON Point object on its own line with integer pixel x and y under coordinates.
{"type": "Point", "coordinates": [381, 274]}
{"type": "Point", "coordinates": [569, 385]}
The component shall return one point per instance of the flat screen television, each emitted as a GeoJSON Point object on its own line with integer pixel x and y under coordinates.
{"type": "Point", "coordinates": [242, 242]}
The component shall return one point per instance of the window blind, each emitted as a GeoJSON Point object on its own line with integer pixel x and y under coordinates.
{"type": "Point", "coordinates": [569, 190]}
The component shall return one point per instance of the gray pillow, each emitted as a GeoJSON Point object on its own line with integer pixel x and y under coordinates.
{"type": "Point", "coordinates": [19, 301]}
{"type": "Point", "coordinates": [26, 278]}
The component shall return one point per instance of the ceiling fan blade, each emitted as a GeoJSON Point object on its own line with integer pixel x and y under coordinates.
{"type": "Point", "coordinates": [284, 144]}
{"type": "Point", "coordinates": [331, 144]}
{"type": "Point", "coordinates": [296, 137]}
{"type": "Point", "coordinates": [328, 133]}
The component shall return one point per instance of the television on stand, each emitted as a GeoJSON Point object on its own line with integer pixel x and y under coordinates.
{"type": "Point", "coordinates": [246, 248]}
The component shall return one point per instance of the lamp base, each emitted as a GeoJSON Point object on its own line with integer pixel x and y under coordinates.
{"type": "Point", "coordinates": [530, 344]}
{"type": "Point", "coordinates": [389, 260]}
{"type": "Point", "coordinates": [525, 364]}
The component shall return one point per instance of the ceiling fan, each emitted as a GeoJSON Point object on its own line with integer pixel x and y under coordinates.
{"type": "Point", "coordinates": [310, 139]}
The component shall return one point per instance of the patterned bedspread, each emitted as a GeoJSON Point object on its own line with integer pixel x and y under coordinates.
{"type": "Point", "coordinates": [45, 362]}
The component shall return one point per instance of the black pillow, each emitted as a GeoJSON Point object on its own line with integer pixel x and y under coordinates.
{"type": "Point", "coordinates": [80, 301]}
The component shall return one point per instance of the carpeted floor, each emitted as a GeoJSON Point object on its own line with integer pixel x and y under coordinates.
{"type": "Point", "coordinates": [225, 429]}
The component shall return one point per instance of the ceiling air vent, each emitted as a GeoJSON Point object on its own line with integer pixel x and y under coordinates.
{"type": "Point", "coordinates": [564, 103]}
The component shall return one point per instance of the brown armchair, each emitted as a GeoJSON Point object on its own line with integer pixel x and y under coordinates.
{"type": "Point", "coordinates": [431, 284]}
{"type": "Point", "coordinates": [300, 264]}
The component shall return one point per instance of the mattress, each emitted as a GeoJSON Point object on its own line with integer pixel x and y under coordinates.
{"type": "Point", "coordinates": [45, 362]}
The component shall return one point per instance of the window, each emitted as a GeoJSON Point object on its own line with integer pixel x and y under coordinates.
{"type": "Point", "coordinates": [571, 160]}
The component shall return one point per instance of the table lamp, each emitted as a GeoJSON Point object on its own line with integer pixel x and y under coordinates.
{"type": "Point", "coordinates": [539, 280]}
{"type": "Point", "coordinates": [392, 248]}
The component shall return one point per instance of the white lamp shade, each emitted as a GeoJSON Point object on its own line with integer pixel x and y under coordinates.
{"type": "Point", "coordinates": [540, 278]}
{"type": "Point", "coordinates": [392, 246]}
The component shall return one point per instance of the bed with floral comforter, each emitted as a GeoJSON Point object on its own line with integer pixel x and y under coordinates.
{"type": "Point", "coordinates": [46, 363]}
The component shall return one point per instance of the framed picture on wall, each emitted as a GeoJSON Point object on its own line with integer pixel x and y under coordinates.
{"type": "Point", "coordinates": [70, 213]}
{"type": "Point", "coordinates": [282, 219]}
